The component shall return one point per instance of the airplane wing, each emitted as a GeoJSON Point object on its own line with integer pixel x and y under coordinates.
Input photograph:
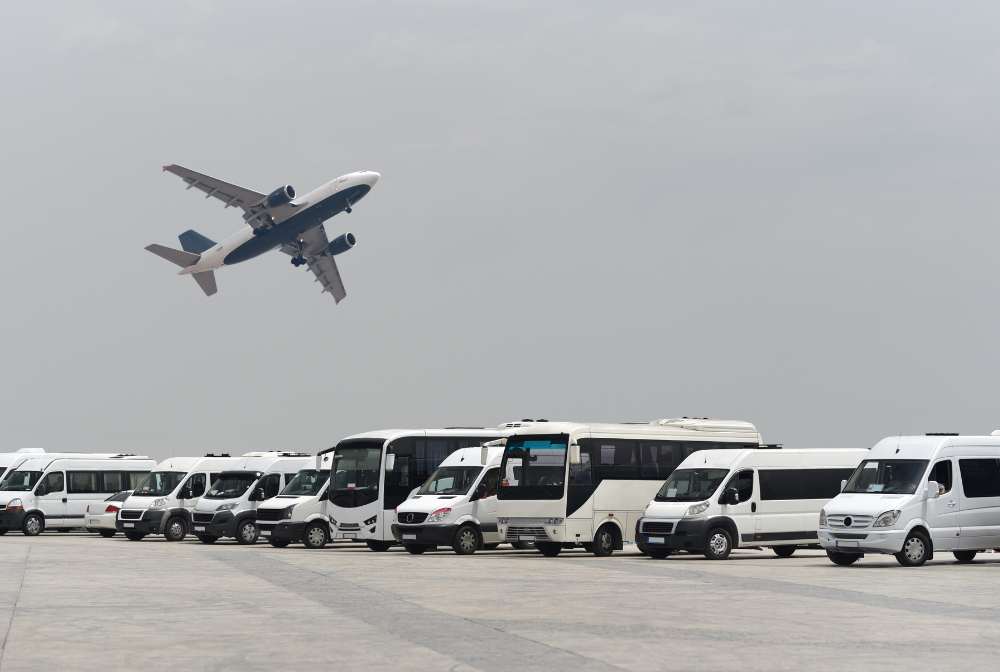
{"type": "Point", "coordinates": [230, 194]}
{"type": "Point", "coordinates": [323, 266]}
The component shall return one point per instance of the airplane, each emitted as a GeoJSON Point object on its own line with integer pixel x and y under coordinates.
{"type": "Point", "coordinates": [275, 220]}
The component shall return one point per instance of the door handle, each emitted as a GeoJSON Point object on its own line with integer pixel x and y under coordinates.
{"type": "Point", "coordinates": [951, 504]}
{"type": "Point", "coordinates": [753, 507]}
{"type": "Point", "coordinates": [64, 500]}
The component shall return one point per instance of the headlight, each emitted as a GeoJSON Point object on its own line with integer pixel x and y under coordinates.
{"type": "Point", "coordinates": [503, 521]}
{"type": "Point", "coordinates": [372, 520]}
{"type": "Point", "coordinates": [226, 507]}
{"type": "Point", "coordinates": [887, 519]}
{"type": "Point", "coordinates": [695, 509]}
{"type": "Point", "coordinates": [15, 505]}
{"type": "Point", "coordinates": [287, 512]}
{"type": "Point", "coordinates": [438, 515]}
{"type": "Point", "coordinates": [822, 517]}
{"type": "Point", "coordinates": [553, 521]}
{"type": "Point", "coordinates": [158, 504]}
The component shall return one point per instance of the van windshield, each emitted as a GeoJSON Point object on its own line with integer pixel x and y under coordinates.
{"type": "Point", "coordinates": [20, 481]}
{"type": "Point", "coordinates": [450, 481]}
{"type": "Point", "coordinates": [307, 482]}
{"type": "Point", "coordinates": [159, 483]}
{"type": "Point", "coordinates": [232, 484]}
{"type": "Point", "coordinates": [691, 485]}
{"type": "Point", "coordinates": [889, 477]}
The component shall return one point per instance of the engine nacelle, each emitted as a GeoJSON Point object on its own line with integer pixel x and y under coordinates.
{"type": "Point", "coordinates": [341, 244]}
{"type": "Point", "coordinates": [280, 196]}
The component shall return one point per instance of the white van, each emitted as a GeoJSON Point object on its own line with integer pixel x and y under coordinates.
{"type": "Point", "coordinates": [163, 502]}
{"type": "Point", "coordinates": [914, 495]}
{"type": "Point", "coordinates": [456, 506]}
{"type": "Point", "coordinates": [52, 492]}
{"type": "Point", "coordinates": [9, 461]}
{"type": "Point", "coordinates": [298, 513]}
{"type": "Point", "coordinates": [229, 508]}
{"type": "Point", "coordinates": [717, 500]}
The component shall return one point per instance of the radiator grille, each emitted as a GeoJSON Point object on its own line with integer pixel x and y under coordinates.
{"type": "Point", "coordinates": [514, 533]}
{"type": "Point", "coordinates": [657, 528]}
{"type": "Point", "coordinates": [842, 520]}
{"type": "Point", "coordinates": [130, 514]}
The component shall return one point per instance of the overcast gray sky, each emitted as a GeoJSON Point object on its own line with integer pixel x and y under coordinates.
{"type": "Point", "coordinates": [780, 212]}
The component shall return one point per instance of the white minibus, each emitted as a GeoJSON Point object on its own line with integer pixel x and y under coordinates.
{"type": "Point", "coordinates": [718, 500]}
{"type": "Point", "coordinates": [52, 492]}
{"type": "Point", "coordinates": [163, 502]}
{"type": "Point", "coordinates": [375, 472]}
{"type": "Point", "coordinates": [914, 495]}
{"type": "Point", "coordinates": [229, 508]}
{"type": "Point", "coordinates": [298, 513]}
{"type": "Point", "coordinates": [565, 484]}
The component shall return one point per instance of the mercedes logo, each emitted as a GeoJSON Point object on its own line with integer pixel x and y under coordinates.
{"type": "Point", "coordinates": [847, 521]}
{"type": "Point", "coordinates": [407, 517]}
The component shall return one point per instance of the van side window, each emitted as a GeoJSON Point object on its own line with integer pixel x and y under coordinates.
{"type": "Point", "coordinates": [54, 482]}
{"type": "Point", "coordinates": [942, 474]}
{"type": "Point", "coordinates": [270, 484]}
{"type": "Point", "coordinates": [111, 481]}
{"type": "Point", "coordinates": [801, 483]}
{"type": "Point", "coordinates": [980, 477]}
{"type": "Point", "coordinates": [82, 482]}
{"type": "Point", "coordinates": [743, 482]}
{"type": "Point", "coordinates": [196, 484]}
{"type": "Point", "coordinates": [132, 479]}
{"type": "Point", "coordinates": [489, 485]}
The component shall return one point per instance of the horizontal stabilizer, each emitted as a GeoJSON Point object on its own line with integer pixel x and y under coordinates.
{"type": "Point", "coordinates": [206, 281]}
{"type": "Point", "coordinates": [194, 242]}
{"type": "Point", "coordinates": [183, 259]}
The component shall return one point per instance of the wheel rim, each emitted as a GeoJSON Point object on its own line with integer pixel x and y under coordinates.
{"type": "Point", "coordinates": [718, 543]}
{"type": "Point", "coordinates": [247, 532]}
{"type": "Point", "coordinates": [176, 529]}
{"type": "Point", "coordinates": [605, 541]}
{"type": "Point", "coordinates": [316, 536]}
{"type": "Point", "coordinates": [914, 549]}
{"type": "Point", "coordinates": [33, 525]}
{"type": "Point", "coordinates": [467, 540]}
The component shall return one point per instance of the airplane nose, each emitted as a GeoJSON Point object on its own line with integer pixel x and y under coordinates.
{"type": "Point", "coordinates": [373, 178]}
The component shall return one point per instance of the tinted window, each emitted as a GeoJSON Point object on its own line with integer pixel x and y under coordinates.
{"type": "Point", "coordinates": [942, 474]}
{"type": "Point", "coordinates": [488, 486]}
{"type": "Point", "coordinates": [132, 479]}
{"type": "Point", "coordinates": [82, 482]}
{"type": "Point", "coordinates": [112, 481]}
{"type": "Point", "coordinates": [659, 459]}
{"type": "Point", "coordinates": [743, 482]}
{"type": "Point", "coordinates": [196, 485]}
{"type": "Point", "coordinates": [980, 477]}
{"type": "Point", "coordinates": [801, 483]}
{"type": "Point", "coordinates": [271, 485]}
{"type": "Point", "coordinates": [53, 482]}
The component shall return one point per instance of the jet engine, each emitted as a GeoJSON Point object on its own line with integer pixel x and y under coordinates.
{"type": "Point", "coordinates": [280, 196]}
{"type": "Point", "coordinates": [341, 244]}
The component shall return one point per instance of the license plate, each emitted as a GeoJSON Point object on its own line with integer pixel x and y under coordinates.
{"type": "Point", "coordinates": [657, 540]}
{"type": "Point", "coordinates": [199, 528]}
{"type": "Point", "coordinates": [411, 537]}
{"type": "Point", "coordinates": [350, 535]}
{"type": "Point", "coordinates": [265, 533]}
{"type": "Point", "coordinates": [848, 544]}
{"type": "Point", "coordinates": [132, 525]}
{"type": "Point", "coordinates": [525, 538]}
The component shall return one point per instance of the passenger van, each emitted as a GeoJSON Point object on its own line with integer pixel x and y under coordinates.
{"type": "Point", "coordinates": [718, 500]}
{"type": "Point", "coordinates": [567, 484]}
{"type": "Point", "coordinates": [163, 502]}
{"type": "Point", "coordinates": [456, 506]}
{"type": "Point", "coordinates": [229, 508]}
{"type": "Point", "coordinates": [914, 495]}
{"type": "Point", "coordinates": [298, 513]}
{"type": "Point", "coordinates": [52, 492]}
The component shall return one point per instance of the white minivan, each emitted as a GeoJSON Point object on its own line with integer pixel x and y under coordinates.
{"type": "Point", "coordinates": [914, 495]}
{"type": "Point", "coordinates": [456, 506]}
{"type": "Point", "coordinates": [229, 508]}
{"type": "Point", "coordinates": [298, 513]}
{"type": "Point", "coordinates": [163, 502]}
{"type": "Point", "coordinates": [53, 492]}
{"type": "Point", "coordinates": [718, 500]}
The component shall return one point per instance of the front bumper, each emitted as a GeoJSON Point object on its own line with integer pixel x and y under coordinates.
{"type": "Point", "coordinates": [149, 523]}
{"type": "Point", "coordinates": [11, 520]}
{"type": "Point", "coordinates": [686, 534]}
{"type": "Point", "coordinates": [424, 535]}
{"type": "Point", "coordinates": [866, 540]}
{"type": "Point", "coordinates": [282, 530]}
{"type": "Point", "coordinates": [223, 524]}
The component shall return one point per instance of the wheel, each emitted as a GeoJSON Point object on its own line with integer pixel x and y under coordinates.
{"type": "Point", "coordinates": [658, 553]}
{"type": "Point", "coordinates": [916, 550]}
{"type": "Point", "coordinates": [247, 532]}
{"type": "Point", "coordinates": [176, 529]}
{"type": "Point", "coordinates": [33, 525]}
{"type": "Point", "coordinates": [718, 544]}
{"type": "Point", "coordinates": [316, 535]}
{"type": "Point", "coordinates": [783, 551]}
{"type": "Point", "coordinates": [134, 536]}
{"type": "Point", "coordinates": [522, 545]}
{"type": "Point", "coordinates": [107, 534]}
{"type": "Point", "coordinates": [843, 559]}
{"type": "Point", "coordinates": [466, 540]}
{"type": "Point", "coordinates": [604, 542]}
{"type": "Point", "coordinates": [548, 549]}
{"type": "Point", "coordinates": [278, 543]}
{"type": "Point", "coordinates": [378, 546]}
{"type": "Point", "coordinates": [206, 538]}
{"type": "Point", "coordinates": [415, 549]}
{"type": "Point", "coordinates": [965, 556]}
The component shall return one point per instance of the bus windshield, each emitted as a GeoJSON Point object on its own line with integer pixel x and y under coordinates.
{"type": "Point", "coordinates": [232, 484]}
{"type": "Point", "coordinates": [533, 467]}
{"type": "Point", "coordinates": [159, 483]}
{"type": "Point", "coordinates": [307, 482]}
{"type": "Point", "coordinates": [355, 473]}
{"type": "Point", "coordinates": [691, 485]}
{"type": "Point", "coordinates": [450, 481]}
{"type": "Point", "coordinates": [20, 481]}
{"type": "Point", "coordinates": [888, 477]}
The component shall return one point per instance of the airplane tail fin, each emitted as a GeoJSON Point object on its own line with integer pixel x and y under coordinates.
{"type": "Point", "coordinates": [206, 280]}
{"type": "Point", "coordinates": [182, 259]}
{"type": "Point", "coordinates": [194, 242]}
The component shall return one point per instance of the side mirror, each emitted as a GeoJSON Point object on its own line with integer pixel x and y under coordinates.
{"type": "Point", "coordinates": [730, 496]}
{"type": "Point", "coordinates": [933, 492]}
{"type": "Point", "coordinates": [390, 462]}
{"type": "Point", "coordinates": [257, 495]}
{"type": "Point", "coordinates": [843, 484]}
{"type": "Point", "coordinates": [574, 453]}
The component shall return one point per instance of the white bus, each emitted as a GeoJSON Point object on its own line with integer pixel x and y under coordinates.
{"type": "Point", "coordinates": [566, 484]}
{"type": "Point", "coordinates": [375, 472]}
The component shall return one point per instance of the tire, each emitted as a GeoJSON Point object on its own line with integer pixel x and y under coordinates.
{"type": "Point", "coordinates": [33, 525]}
{"type": "Point", "coordinates": [134, 536]}
{"type": "Point", "coordinates": [657, 553]}
{"type": "Point", "coordinates": [783, 551]}
{"type": "Point", "coordinates": [175, 529]}
{"type": "Point", "coordinates": [467, 540]}
{"type": "Point", "coordinates": [843, 559]}
{"type": "Point", "coordinates": [414, 549]}
{"type": "Point", "coordinates": [278, 543]}
{"type": "Point", "coordinates": [522, 545]}
{"type": "Point", "coordinates": [965, 556]}
{"type": "Point", "coordinates": [548, 549]}
{"type": "Point", "coordinates": [604, 542]}
{"type": "Point", "coordinates": [247, 532]}
{"type": "Point", "coordinates": [378, 546]}
{"type": "Point", "coordinates": [718, 544]}
{"type": "Point", "coordinates": [206, 538]}
{"type": "Point", "coordinates": [316, 535]}
{"type": "Point", "coordinates": [107, 534]}
{"type": "Point", "coordinates": [916, 550]}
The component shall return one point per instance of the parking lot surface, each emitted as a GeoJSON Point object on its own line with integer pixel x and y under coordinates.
{"type": "Point", "coordinates": [78, 602]}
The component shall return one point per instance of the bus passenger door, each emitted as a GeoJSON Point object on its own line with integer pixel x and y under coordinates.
{"type": "Point", "coordinates": [744, 513]}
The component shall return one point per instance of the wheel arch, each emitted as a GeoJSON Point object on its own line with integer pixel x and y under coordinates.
{"type": "Point", "coordinates": [619, 533]}
{"type": "Point", "coordinates": [726, 523]}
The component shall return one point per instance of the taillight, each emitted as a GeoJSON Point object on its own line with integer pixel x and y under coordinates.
{"type": "Point", "coordinates": [111, 509]}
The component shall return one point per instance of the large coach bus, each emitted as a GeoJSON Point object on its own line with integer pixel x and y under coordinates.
{"type": "Point", "coordinates": [566, 484]}
{"type": "Point", "coordinates": [375, 472]}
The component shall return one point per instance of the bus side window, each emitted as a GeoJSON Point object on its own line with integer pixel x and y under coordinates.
{"type": "Point", "coordinates": [582, 473]}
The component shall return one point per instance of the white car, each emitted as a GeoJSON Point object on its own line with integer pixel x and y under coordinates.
{"type": "Point", "coordinates": [101, 517]}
